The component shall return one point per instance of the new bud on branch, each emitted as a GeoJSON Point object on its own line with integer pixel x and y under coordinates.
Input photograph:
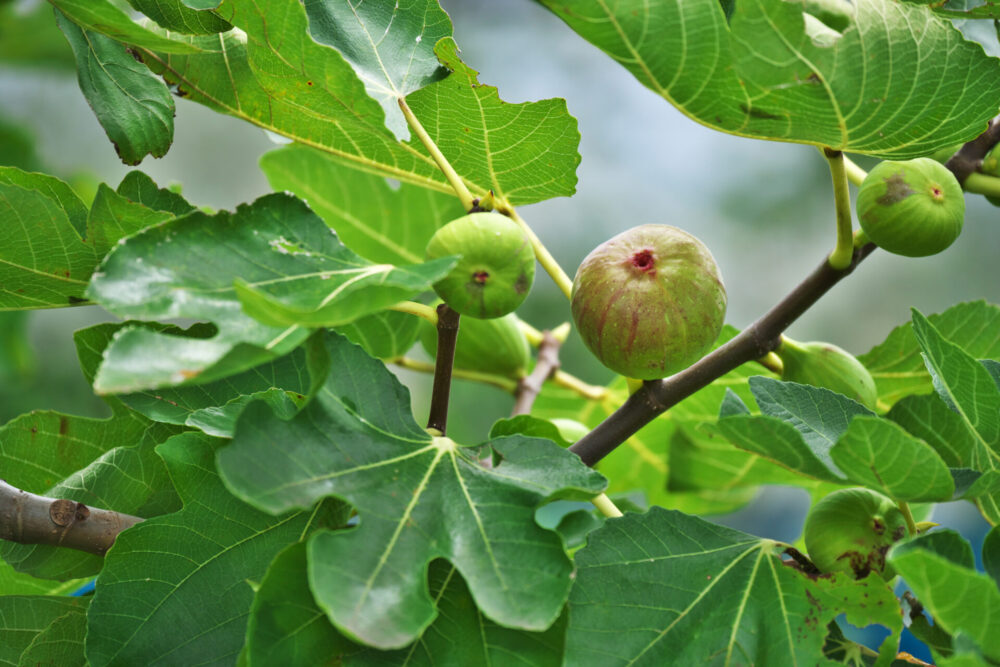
{"type": "Point", "coordinates": [913, 208]}
{"type": "Point", "coordinates": [496, 268]}
{"type": "Point", "coordinates": [649, 302]}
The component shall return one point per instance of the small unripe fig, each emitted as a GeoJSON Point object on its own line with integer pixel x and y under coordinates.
{"type": "Point", "coordinates": [828, 366]}
{"type": "Point", "coordinates": [496, 346]}
{"type": "Point", "coordinates": [649, 302]}
{"type": "Point", "coordinates": [851, 530]}
{"type": "Point", "coordinates": [496, 268]}
{"type": "Point", "coordinates": [991, 167]}
{"type": "Point", "coordinates": [913, 208]}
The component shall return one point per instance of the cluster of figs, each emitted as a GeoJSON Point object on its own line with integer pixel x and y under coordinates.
{"type": "Point", "coordinates": [650, 302]}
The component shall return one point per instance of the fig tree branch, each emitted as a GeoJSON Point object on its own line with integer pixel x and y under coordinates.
{"type": "Point", "coordinates": [27, 518]}
{"type": "Point", "coordinates": [970, 156]}
{"type": "Point", "coordinates": [447, 329]}
{"type": "Point", "coordinates": [545, 367]}
{"type": "Point", "coordinates": [758, 339]}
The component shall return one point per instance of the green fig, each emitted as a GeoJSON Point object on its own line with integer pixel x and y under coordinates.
{"type": "Point", "coordinates": [496, 268]}
{"type": "Point", "coordinates": [496, 346]}
{"type": "Point", "coordinates": [649, 302]}
{"type": "Point", "coordinates": [828, 366]}
{"type": "Point", "coordinates": [991, 167]}
{"type": "Point", "coordinates": [851, 530]}
{"type": "Point", "coordinates": [913, 208]}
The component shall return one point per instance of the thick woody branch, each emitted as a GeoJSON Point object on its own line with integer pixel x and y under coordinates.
{"type": "Point", "coordinates": [546, 366]}
{"type": "Point", "coordinates": [447, 331]}
{"type": "Point", "coordinates": [752, 343]}
{"type": "Point", "coordinates": [970, 156]}
{"type": "Point", "coordinates": [29, 519]}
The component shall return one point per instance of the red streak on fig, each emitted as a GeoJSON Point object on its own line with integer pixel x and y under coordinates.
{"type": "Point", "coordinates": [649, 302]}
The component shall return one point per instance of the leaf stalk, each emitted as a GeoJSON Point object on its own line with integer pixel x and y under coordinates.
{"type": "Point", "coordinates": [843, 253]}
{"type": "Point", "coordinates": [456, 182]}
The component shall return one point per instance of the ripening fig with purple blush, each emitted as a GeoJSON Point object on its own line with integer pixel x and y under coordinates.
{"type": "Point", "coordinates": [649, 302]}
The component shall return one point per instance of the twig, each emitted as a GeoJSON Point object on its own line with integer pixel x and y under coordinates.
{"type": "Point", "coordinates": [498, 381]}
{"type": "Point", "coordinates": [529, 387]}
{"type": "Point", "coordinates": [970, 156]}
{"type": "Point", "coordinates": [752, 343]}
{"type": "Point", "coordinates": [804, 563]}
{"type": "Point", "coordinates": [26, 518]}
{"type": "Point", "coordinates": [447, 328]}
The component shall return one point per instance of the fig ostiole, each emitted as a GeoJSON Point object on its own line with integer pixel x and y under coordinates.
{"type": "Point", "coordinates": [497, 346]}
{"type": "Point", "coordinates": [914, 208]}
{"type": "Point", "coordinates": [496, 269]}
{"type": "Point", "coordinates": [828, 366]}
{"type": "Point", "coordinates": [649, 302]}
{"type": "Point", "coordinates": [851, 530]}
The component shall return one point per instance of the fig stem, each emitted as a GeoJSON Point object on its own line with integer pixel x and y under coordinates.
{"type": "Point", "coordinates": [593, 392]}
{"type": "Point", "coordinates": [560, 378]}
{"type": "Point", "coordinates": [533, 335]}
{"type": "Point", "coordinates": [772, 362]}
{"type": "Point", "coordinates": [457, 184]}
{"type": "Point", "coordinates": [418, 309]}
{"type": "Point", "coordinates": [508, 385]}
{"type": "Point", "coordinates": [981, 184]}
{"type": "Point", "coordinates": [447, 328]}
{"type": "Point", "coordinates": [843, 252]}
{"type": "Point", "coordinates": [605, 506]}
{"type": "Point", "coordinates": [542, 254]}
{"type": "Point", "coordinates": [761, 337]}
{"type": "Point", "coordinates": [911, 525]}
{"type": "Point", "coordinates": [855, 174]}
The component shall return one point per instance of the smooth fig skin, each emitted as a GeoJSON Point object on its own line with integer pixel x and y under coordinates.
{"type": "Point", "coordinates": [851, 530]}
{"type": "Point", "coordinates": [496, 269]}
{"type": "Point", "coordinates": [649, 302]}
{"type": "Point", "coordinates": [914, 208]}
{"type": "Point", "coordinates": [828, 366]}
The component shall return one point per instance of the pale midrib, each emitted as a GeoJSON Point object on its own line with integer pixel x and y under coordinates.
{"type": "Point", "coordinates": [719, 577]}
{"type": "Point", "coordinates": [363, 164]}
{"type": "Point", "coordinates": [407, 512]}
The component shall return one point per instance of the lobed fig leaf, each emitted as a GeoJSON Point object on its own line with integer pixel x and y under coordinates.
{"type": "Point", "coordinates": [851, 530]}
{"type": "Point", "coordinates": [496, 268]}
{"type": "Point", "coordinates": [649, 302]}
{"type": "Point", "coordinates": [828, 366]}
{"type": "Point", "coordinates": [496, 346]}
{"type": "Point", "coordinates": [913, 208]}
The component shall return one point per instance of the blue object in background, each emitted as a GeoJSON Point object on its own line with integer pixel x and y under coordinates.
{"type": "Point", "coordinates": [86, 589]}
